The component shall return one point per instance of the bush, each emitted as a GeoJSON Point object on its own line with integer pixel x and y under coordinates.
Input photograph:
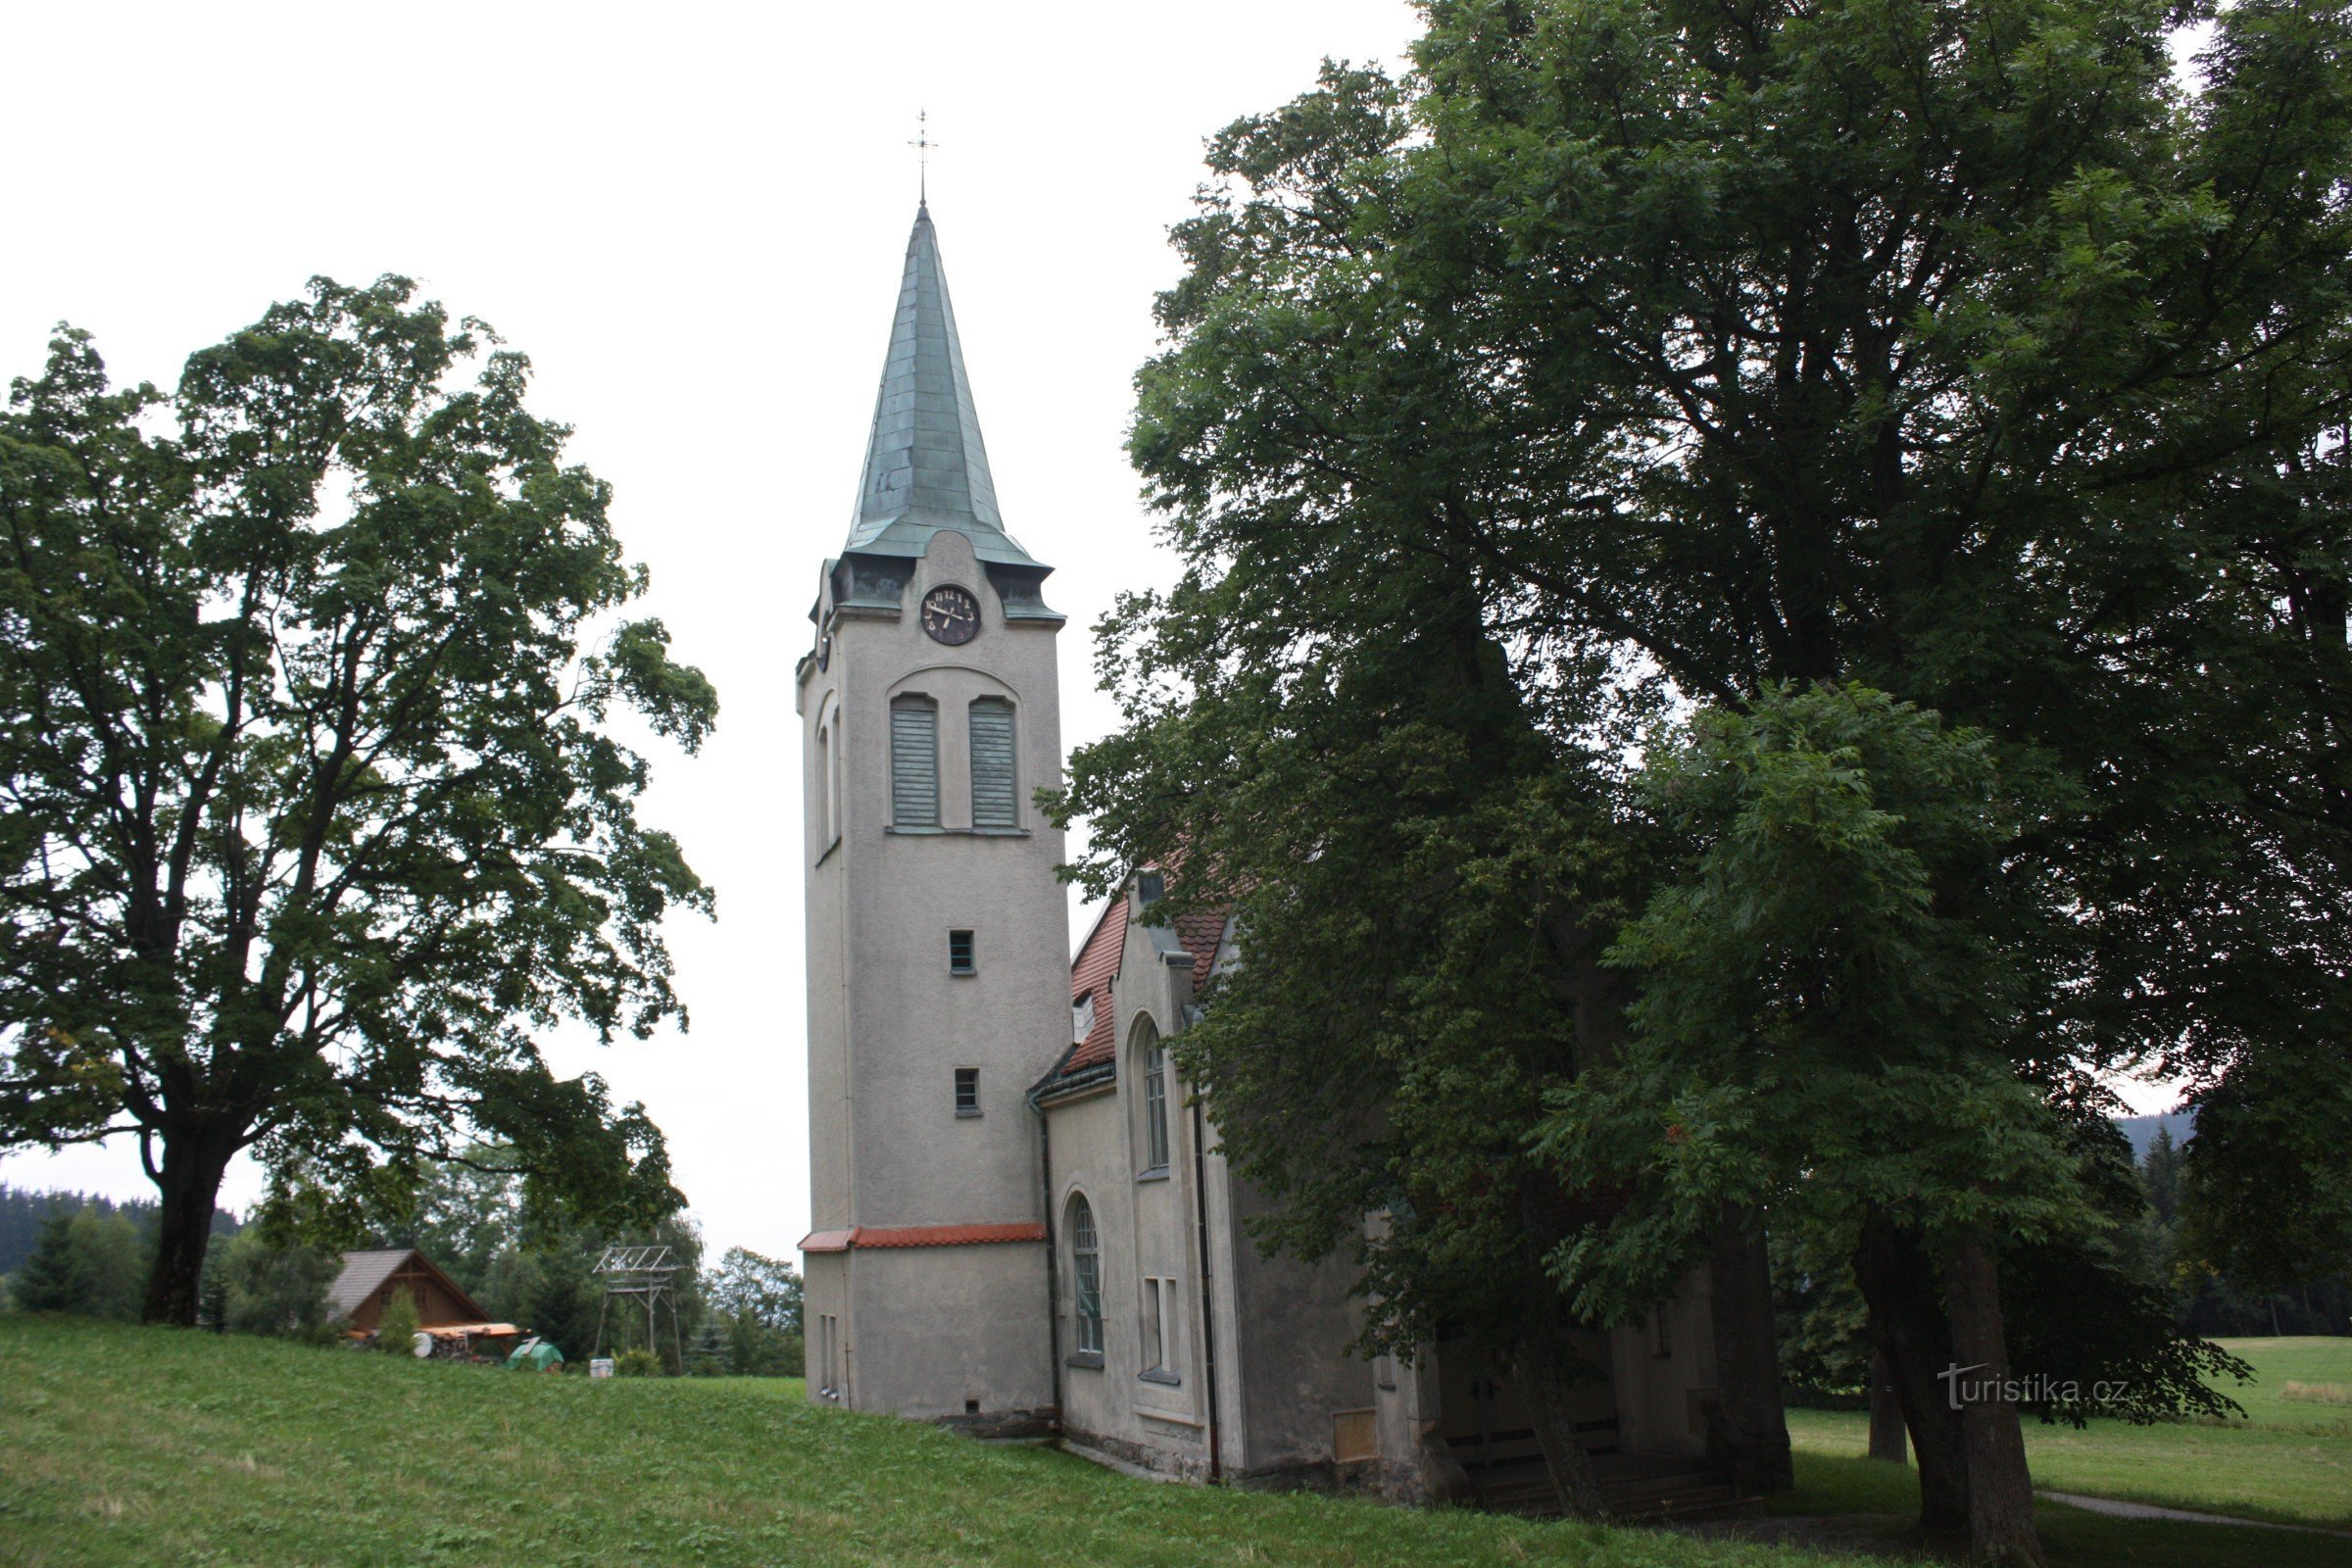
{"type": "Point", "coordinates": [396, 1331]}
{"type": "Point", "coordinates": [273, 1290]}
{"type": "Point", "coordinates": [636, 1364]}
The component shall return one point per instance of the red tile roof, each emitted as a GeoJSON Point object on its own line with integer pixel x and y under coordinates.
{"type": "Point", "coordinates": [918, 1236]}
{"type": "Point", "coordinates": [1091, 974]}
{"type": "Point", "coordinates": [1200, 933]}
{"type": "Point", "coordinates": [1097, 963]}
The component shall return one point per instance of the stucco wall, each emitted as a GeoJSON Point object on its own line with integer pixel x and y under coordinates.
{"type": "Point", "coordinates": [1658, 1394]}
{"type": "Point", "coordinates": [889, 1024]}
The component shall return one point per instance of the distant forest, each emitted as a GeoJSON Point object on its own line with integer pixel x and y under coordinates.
{"type": "Point", "coordinates": [22, 1211]}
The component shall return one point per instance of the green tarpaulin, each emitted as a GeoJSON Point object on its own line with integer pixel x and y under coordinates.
{"type": "Point", "coordinates": [536, 1356]}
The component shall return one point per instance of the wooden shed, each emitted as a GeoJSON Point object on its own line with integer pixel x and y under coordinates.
{"type": "Point", "coordinates": [369, 1279]}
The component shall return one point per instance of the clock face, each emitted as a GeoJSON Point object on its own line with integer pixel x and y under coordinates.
{"type": "Point", "coordinates": [951, 615]}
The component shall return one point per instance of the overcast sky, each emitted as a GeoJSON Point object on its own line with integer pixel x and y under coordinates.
{"type": "Point", "coordinates": [692, 219]}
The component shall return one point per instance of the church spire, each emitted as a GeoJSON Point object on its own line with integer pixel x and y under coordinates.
{"type": "Point", "coordinates": [925, 467]}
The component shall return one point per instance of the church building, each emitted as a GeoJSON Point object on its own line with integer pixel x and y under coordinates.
{"type": "Point", "coordinates": [1024, 1222]}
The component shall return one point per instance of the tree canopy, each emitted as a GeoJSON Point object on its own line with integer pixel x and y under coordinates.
{"type": "Point", "coordinates": [1630, 355]}
{"type": "Point", "coordinates": [317, 811]}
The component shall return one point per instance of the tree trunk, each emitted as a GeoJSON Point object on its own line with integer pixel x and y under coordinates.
{"type": "Point", "coordinates": [2000, 1490]}
{"type": "Point", "coordinates": [1907, 1327]}
{"type": "Point", "coordinates": [1541, 1371]}
{"type": "Point", "coordinates": [189, 1185]}
{"type": "Point", "coordinates": [1749, 1427]}
{"type": "Point", "coordinates": [1886, 1440]}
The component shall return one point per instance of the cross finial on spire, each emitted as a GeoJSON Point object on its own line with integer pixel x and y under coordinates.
{"type": "Point", "coordinates": [922, 146]}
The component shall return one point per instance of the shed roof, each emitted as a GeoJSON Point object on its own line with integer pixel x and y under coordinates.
{"type": "Point", "coordinates": [365, 1273]}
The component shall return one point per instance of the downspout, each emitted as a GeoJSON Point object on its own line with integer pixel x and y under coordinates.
{"type": "Point", "coordinates": [1045, 1156]}
{"type": "Point", "coordinates": [1209, 1307]}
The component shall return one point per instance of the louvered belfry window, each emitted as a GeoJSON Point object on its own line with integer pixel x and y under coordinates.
{"type": "Point", "coordinates": [992, 801]}
{"type": "Point", "coordinates": [913, 761]}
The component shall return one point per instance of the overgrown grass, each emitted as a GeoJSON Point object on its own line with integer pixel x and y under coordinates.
{"type": "Point", "coordinates": [126, 1446]}
{"type": "Point", "coordinates": [2288, 1461]}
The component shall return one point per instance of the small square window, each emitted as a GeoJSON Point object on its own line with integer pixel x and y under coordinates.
{"type": "Point", "coordinates": [967, 1091]}
{"type": "Point", "coordinates": [959, 952]}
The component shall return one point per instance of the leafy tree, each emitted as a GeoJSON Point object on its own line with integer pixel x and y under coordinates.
{"type": "Point", "coordinates": [1958, 350]}
{"type": "Point", "coordinates": [87, 1260]}
{"type": "Point", "coordinates": [754, 1302]}
{"type": "Point", "coordinates": [313, 814]}
{"type": "Point", "coordinates": [268, 1286]}
{"type": "Point", "coordinates": [463, 1213]}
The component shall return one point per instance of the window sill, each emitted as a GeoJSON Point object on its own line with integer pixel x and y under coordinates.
{"type": "Point", "coordinates": [1158, 1173]}
{"type": "Point", "coordinates": [1092, 1360]}
{"type": "Point", "coordinates": [962, 1114]}
{"type": "Point", "coordinates": [956, 832]}
{"type": "Point", "coordinates": [1161, 1376]}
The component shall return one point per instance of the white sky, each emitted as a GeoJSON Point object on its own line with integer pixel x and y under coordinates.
{"type": "Point", "coordinates": [692, 218]}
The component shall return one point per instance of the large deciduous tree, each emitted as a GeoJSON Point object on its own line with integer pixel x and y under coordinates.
{"type": "Point", "coordinates": [1972, 351]}
{"type": "Point", "coordinates": [315, 812]}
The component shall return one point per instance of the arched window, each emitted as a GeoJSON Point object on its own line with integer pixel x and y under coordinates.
{"type": "Point", "coordinates": [828, 772]}
{"type": "Point", "coordinates": [994, 802]}
{"type": "Point", "coordinates": [913, 761]}
{"type": "Point", "coordinates": [1152, 1058]}
{"type": "Point", "coordinates": [1086, 1270]}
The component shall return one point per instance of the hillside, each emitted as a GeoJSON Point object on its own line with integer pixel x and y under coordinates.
{"type": "Point", "coordinates": [127, 1446]}
{"type": "Point", "coordinates": [123, 1445]}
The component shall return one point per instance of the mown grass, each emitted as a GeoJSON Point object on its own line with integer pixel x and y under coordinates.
{"type": "Point", "coordinates": [2288, 1460]}
{"type": "Point", "coordinates": [126, 1446]}
{"type": "Point", "coordinates": [1839, 1485]}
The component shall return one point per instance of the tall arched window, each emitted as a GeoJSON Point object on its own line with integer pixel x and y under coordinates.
{"type": "Point", "coordinates": [1086, 1270]}
{"type": "Point", "coordinates": [993, 802]}
{"type": "Point", "coordinates": [913, 761]}
{"type": "Point", "coordinates": [1153, 1059]}
{"type": "Point", "coordinates": [828, 772]}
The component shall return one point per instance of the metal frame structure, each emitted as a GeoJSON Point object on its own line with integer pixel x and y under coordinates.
{"type": "Point", "coordinates": [648, 1274]}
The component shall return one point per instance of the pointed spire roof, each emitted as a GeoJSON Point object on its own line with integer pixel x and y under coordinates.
{"type": "Point", "coordinates": [925, 467]}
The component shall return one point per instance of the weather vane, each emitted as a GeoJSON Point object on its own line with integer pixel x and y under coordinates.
{"type": "Point", "coordinates": [922, 146]}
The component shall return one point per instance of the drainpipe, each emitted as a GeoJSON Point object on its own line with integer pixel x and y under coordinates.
{"type": "Point", "coordinates": [1209, 1306]}
{"type": "Point", "coordinates": [1045, 1157]}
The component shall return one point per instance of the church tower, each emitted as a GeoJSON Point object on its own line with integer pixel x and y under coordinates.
{"type": "Point", "coordinates": [937, 934]}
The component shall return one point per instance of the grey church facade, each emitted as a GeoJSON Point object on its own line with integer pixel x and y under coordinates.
{"type": "Point", "coordinates": [1023, 1224]}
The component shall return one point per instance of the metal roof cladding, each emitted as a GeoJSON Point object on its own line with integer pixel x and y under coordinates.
{"type": "Point", "coordinates": [925, 467]}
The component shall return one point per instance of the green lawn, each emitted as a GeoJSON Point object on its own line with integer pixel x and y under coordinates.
{"type": "Point", "coordinates": [2288, 1460]}
{"type": "Point", "coordinates": [1834, 1485]}
{"type": "Point", "coordinates": [123, 1445]}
